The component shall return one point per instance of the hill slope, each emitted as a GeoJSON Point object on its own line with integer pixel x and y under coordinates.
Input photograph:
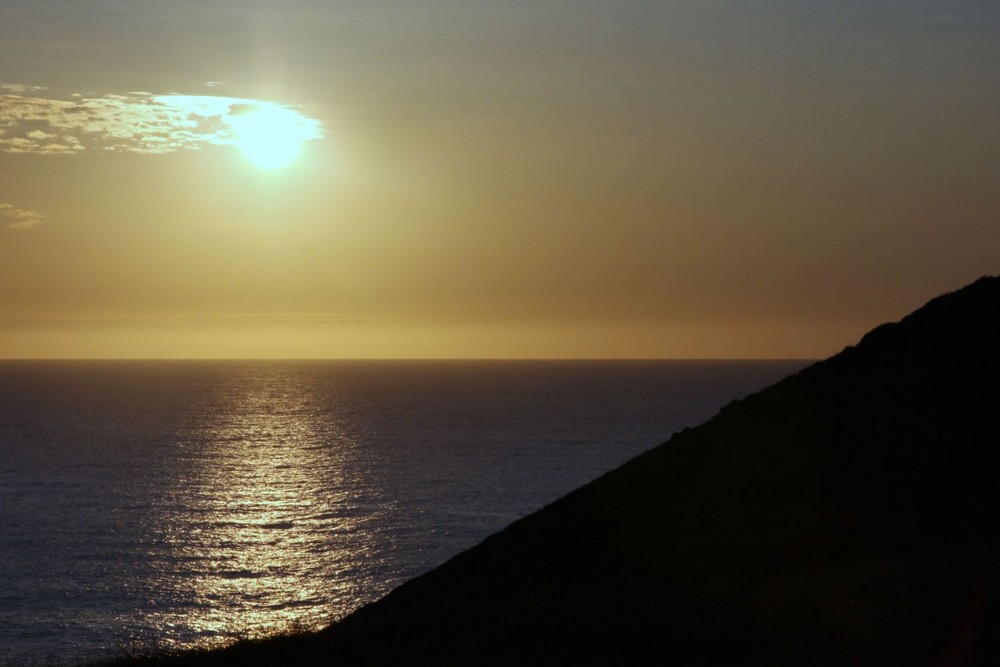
{"type": "Point", "coordinates": [849, 514]}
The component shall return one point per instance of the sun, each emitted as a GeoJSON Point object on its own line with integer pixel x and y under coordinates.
{"type": "Point", "coordinates": [270, 136]}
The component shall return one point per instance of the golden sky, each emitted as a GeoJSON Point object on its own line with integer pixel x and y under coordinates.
{"type": "Point", "coordinates": [319, 179]}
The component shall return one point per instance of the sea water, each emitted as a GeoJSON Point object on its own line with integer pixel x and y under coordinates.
{"type": "Point", "coordinates": [162, 505]}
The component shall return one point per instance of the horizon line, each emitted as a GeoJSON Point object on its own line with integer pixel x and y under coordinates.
{"type": "Point", "coordinates": [428, 359]}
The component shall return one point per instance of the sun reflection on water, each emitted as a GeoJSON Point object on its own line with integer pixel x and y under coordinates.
{"type": "Point", "coordinates": [262, 530]}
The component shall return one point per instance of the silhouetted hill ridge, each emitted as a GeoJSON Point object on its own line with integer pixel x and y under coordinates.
{"type": "Point", "coordinates": [847, 513]}
{"type": "Point", "coordinates": [882, 459]}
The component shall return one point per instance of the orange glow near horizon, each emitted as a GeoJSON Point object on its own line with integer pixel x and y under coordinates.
{"type": "Point", "coordinates": [651, 180]}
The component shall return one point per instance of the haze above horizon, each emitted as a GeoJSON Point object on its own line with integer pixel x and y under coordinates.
{"type": "Point", "coordinates": [463, 180]}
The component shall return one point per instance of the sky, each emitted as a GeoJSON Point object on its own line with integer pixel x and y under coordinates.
{"type": "Point", "coordinates": [444, 179]}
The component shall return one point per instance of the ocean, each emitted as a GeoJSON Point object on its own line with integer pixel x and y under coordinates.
{"type": "Point", "coordinates": [167, 504]}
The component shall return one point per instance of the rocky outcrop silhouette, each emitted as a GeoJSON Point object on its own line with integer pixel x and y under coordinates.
{"type": "Point", "coordinates": [847, 515]}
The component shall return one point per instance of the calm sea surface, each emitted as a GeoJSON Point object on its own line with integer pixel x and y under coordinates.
{"type": "Point", "coordinates": [170, 504]}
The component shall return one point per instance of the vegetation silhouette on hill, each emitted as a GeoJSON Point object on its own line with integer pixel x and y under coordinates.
{"type": "Point", "coordinates": [847, 515]}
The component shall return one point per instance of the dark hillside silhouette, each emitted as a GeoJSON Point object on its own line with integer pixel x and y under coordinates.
{"type": "Point", "coordinates": [847, 515]}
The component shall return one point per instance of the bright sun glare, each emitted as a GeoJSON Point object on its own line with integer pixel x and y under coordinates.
{"type": "Point", "coordinates": [270, 136]}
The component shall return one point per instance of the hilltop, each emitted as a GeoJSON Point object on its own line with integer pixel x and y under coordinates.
{"type": "Point", "coordinates": [847, 515]}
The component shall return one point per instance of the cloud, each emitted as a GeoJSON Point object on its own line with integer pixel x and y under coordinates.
{"type": "Point", "coordinates": [280, 319]}
{"type": "Point", "coordinates": [20, 88]}
{"type": "Point", "coordinates": [19, 218]}
{"type": "Point", "coordinates": [39, 135]}
{"type": "Point", "coordinates": [137, 122]}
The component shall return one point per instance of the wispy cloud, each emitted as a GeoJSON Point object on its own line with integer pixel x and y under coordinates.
{"type": "Point", "coordinates": [285, 318]}
{"type": "Point", "coordinates": [19, 218]}
{"type": "Point", "coordinates": [20, 88]}
{"type": "Point", "coordinates": [136, 122]}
